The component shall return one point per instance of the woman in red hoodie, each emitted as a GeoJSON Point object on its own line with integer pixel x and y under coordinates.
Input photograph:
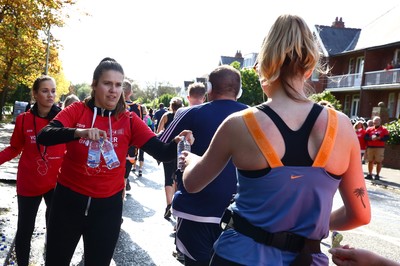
{"type": "Point", "coordinates": [38, 165]}
{"type": "Point", "coordinates": [88, 198]}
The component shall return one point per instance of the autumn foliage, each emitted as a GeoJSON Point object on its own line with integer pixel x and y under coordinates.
{"type": "Point", "coordinates": [24, 37]}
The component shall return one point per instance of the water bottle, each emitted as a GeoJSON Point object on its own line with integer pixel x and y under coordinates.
{"type": "Point", "coordinates": [109, 155]}
{"type": "Point", "coordinates": [183, 145]}
{"type": "Point", "coordinates": [93, 159]}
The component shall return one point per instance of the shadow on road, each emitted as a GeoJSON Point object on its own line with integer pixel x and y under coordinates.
{"type": "Point", "coordinates": [127, 252]}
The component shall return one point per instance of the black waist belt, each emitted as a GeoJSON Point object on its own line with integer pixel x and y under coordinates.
{"type": "Point", "coordinates": [282, 240]}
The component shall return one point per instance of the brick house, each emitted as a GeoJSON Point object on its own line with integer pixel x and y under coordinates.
{"type": "Point", "coordinates": [358, 59]}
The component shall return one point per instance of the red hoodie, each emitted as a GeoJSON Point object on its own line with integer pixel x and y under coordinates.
{"type": "Point", "coordinates": [38, 166]}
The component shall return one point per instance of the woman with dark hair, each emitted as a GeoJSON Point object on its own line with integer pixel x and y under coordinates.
{"type": "Point", "coordinates": [38, 165]}
{"type": "Point", "coordinates": [87, 200]}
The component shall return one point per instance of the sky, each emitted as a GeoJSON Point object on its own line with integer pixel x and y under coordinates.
{"type": "Point", "coordinates": [160, 41]}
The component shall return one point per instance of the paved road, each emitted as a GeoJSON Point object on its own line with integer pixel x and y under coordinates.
{"type": "Point", "coordinates": [146, 237]}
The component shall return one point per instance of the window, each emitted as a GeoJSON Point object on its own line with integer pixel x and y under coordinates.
{"type": "Point", "coordinates": [360, 64]}
{"type": "Point", "coordinates": [398, 106]}
{"type": "Point", "coordinates": [351, 66]}
{"type": "Point", "coordinates": [397, 58]}
{"type": "Point", "coordinates": [355, 103]}
{"type": "Point", "coordinates": [315, 75]}
{"type": "Point", "coordinates": [346, 107]}
{"type": "Point", "coordinates": [391, 104]}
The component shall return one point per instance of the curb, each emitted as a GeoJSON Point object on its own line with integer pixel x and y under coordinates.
{"type": "Point", "coordinates": [385, 184]}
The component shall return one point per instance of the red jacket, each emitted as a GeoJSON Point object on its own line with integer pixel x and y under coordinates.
{"type": "Point", "coordinates": [361, 135]}
{"type": "Point", "coordinates": [38, 166]}
{"type": "Point", "coordinates": [381, 132]}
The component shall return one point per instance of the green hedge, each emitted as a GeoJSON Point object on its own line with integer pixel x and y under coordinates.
{"type": "Point", "coordinates": [394, 130]}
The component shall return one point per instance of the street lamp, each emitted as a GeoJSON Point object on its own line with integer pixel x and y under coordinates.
{"type": "Point", "coordinates": [47, 51]}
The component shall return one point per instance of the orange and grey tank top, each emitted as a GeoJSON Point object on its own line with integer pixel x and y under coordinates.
{"type": "Point", "coordinates": [290, 197]}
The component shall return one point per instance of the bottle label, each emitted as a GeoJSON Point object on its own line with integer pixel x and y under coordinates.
{"type": "Point", "coordinates": [109, 155]}
{"type": "Point", "coordinates": [183, 145]}
{"type": "Point", "coordinates": [93, 159]}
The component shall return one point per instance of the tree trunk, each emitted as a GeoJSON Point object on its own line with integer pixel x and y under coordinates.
{"type": "Point", "coordinates": [3, 95]}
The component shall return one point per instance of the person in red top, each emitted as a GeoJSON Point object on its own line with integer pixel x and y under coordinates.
{"type": "Point", "coordinates": [38, 166]}
{"type": "Point", "coordinates": [87, 201]}
{"type": "Point", "coordinates": [360, 131]}
{"type": "Point", "coordinates": [376, 137]}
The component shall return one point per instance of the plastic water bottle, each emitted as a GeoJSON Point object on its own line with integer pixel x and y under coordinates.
{"type": "Point", "coordinates": [183, 145]}
{"type": "Point", "coordinates": [94, 152]}
{"type": "Point", "coordinates": [109, 155]}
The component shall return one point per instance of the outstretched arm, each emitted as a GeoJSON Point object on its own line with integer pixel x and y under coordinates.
{"type": "Point", "coordinates": [200, 171]}
{"type": "Point", "coordinates": [17, 141]}
{"type": "Point", "coordinates": [356, 209]}
{"type": "Point", "coordinates": [55, 133]}
{"type": "Point", "coordinates": [345, 256]}
{"type": "Point", "coordinates": [165, 152]}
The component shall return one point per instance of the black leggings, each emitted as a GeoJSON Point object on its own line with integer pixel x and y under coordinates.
{"type": "Point", "coordinates": [132, 152]}
{"type": "Point", "coordinates": [169, 172]}
{"type": "Point", "coordinates": [141, 155]}
{"type": "Point", "coordinates": [73, 215]}
{"type": "Point", "coordinates": [27, 211]}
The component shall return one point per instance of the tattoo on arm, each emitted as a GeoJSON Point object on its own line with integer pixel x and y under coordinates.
{"type": "Point", "coordinates": [359, 192]}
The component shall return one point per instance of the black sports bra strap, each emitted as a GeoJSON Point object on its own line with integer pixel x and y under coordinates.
{"type": "Point", "coordinates": [281, 125]}
{"type": "Point", "coordinates": [295, 141]}
{"type": "Point", "coordinates": [312, 117]}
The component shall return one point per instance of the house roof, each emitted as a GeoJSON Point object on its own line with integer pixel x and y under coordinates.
{"type": "Point", "coordinates": [383, 30]}
{"type": "Point", "coordinates": [337, 40]}
{"type": "Point", "coordinates": [227, 60]}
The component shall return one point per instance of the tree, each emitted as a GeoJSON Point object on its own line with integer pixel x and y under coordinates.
{"type": "Point", "coordinates": [166, 98]}
{"type": "Point", "coordinates": [145, 95]}
{"type": "Point", "coordinates": [82, 90]}
{"type": "Point", "coordinates": [167, 89]}
{"type": "Point", "coordinates": [63, 86]}
{"type": "Point", "coordinates": [21, 93]}
{"type": "Point", "coordinates": [23, 41]}
{"type": "Point", "coordinates": [326, 96]}
{"type": "Point", "coordinates": [236, 64]}
{"type": "Point", "coordinates": [252, 91]}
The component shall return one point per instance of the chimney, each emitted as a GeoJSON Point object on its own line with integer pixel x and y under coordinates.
{"type": "Point", "coordinates": [238, 54]}
{"type": "Point", "coordinates": [338, 23]}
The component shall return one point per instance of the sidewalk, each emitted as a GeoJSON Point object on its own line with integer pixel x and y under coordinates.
{"type": "Point", "coordinates": [389, 177]}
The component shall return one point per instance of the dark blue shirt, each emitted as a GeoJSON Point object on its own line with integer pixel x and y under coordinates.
{"type": "Point", "coordinates": [203, 120]}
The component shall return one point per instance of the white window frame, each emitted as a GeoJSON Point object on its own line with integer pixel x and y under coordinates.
{"type": "Point", "coordinates": [359, 64]}
{"type": "Point", "coordinates": [398, 106]}
{"type": "Point", "coordinates": [397, 57]}
{"type": "Point", "coordinates": [355, 105]}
